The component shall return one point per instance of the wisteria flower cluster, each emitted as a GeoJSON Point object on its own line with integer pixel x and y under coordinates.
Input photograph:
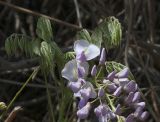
{"type": "Point", "coordinates": [118, 97]}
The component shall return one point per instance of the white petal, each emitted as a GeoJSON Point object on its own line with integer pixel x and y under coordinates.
{"type": "Point", "coordinates": [80, 45]}
{"type": "Point", "coordinates": [92, 51]}
{"type": "Point", "coordinates": [70, 71]}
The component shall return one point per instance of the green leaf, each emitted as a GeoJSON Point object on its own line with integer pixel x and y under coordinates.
{"type": "Point", "coordinates": [111, 32]}
{"type": "Point", "coordinates": [36, 46]}
{"type": "Point", "coordinates": [114, 66]}
{"type": "Point", "coordinates": [46, 57]}
{"type": "Point", "coordinates": [84, 34]}
{"type": "Point", "coordinates": [97, 37]}
{"type": "Point", "coordinates": [44, 29]}
{"type": "Point", "coordinates": [69, 55]}
{"type": "Point", "coordinates": [59, 56]}
{"type": "Point", "coordinates": [19, 43]}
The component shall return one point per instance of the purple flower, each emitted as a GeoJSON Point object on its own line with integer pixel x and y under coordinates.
{"type": "Point", "coordinates": [83, 112]}
{"type": "Point", "coordinates": [82, 103]}
{"type": "Point", "coordinates": [102, 56]}
{"type": "Point", "coordinates": [104, 113]}
{"type": "Point", "coordinates": [94, 70]}
{"type": "Point", "coordinates": [101, 110]}
{"type": "Point", "coordinates": [87, 91]}
{"type": "Point", "coordinates": [111, 76]}
{"type": "Point", "coordinates": [73, 70]}
{"type": "Point", "coordinates": [123, 73]}
{"type": "Point", "coordinates": [85, 51]}
{"type": "Point", "coordinates": [75, 86]}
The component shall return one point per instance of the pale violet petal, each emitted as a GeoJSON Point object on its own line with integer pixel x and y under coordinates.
{"type": "Point", "coordinates": [84, 66]}
{"type": "Point", "coordinates": [91, 52]}
{"type": "Point", "coordinates": [69, 71]}
{"type": "Point", "coordinates": [80, 46]}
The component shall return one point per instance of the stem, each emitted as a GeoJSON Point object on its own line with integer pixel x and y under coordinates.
{"type": "Point", "coordinates": [49, 100]}
{"type": "Point", "coordinates": [20, 90]}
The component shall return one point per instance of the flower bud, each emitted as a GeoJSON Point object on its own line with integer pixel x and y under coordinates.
{"type": "Point", "coordinates": [102, 57]}
{"type": "Point", "coordinates": [111, 76]}
{"type": "Point", "coordinates": [94, 70]}
{"type": "Point", "coordinates": [111, 87]}
{"type": "Point", "coordinates": [136, 97]}
{"type": "Point", "coordinates": [118, 91]}
{"type": "Point", "coordinates": [82, 103]}
{"type": "Point", "coordinates": [140, 104]}
{"type": "Point", "coordinates": [144, 116]}
{"type": "Point", "coordinates": [130, 118]}
{"type": "Point", "coordinates": [131, 87]}
{"type": "Point", "coordinates": [101, 92]}
{"type": "Point", "coordinates": [118, 110]}
{"type": "Point", "coordinates": [138, 112]}
{"type": "Point", "coordinates": [129, 98]}
{"type": "Point", "coordinates": [123, 73]}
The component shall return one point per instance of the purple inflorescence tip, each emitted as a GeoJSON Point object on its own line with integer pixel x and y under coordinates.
{"type": "Point", "coordinates": [102, 56]}
{"type": "Point", "coordinates": [94, 70]}
{"type": "Point", "coordinates": [123, 73]}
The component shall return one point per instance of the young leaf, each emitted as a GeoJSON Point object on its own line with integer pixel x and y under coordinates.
{"type": "Point", "coordinates": [111, 32]}
{"type": "Point", "coordinates": [84, 34]}
{"type": "Point", "coordinates": [44, 29]}
{"type": "Point", "coordinates": [19, 43]}
{"type": "Point", "coordinates": [46, 57]}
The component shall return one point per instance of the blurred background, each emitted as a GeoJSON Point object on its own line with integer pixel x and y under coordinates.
{"type": "Point", "coordinates": [140, 48]}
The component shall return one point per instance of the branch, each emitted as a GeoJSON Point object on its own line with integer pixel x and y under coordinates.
{"type": "Point", "coordinates": [24, 10]}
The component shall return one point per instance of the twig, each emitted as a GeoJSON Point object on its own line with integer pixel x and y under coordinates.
{"type": "Point", "coordinates": [78, 13]}
{"type": "Point", "coordinates": [28, 85]}
{"type": "Point", "coordinates": [13, 114]}
{"type": "Point", "coordinates": [24, 10]}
